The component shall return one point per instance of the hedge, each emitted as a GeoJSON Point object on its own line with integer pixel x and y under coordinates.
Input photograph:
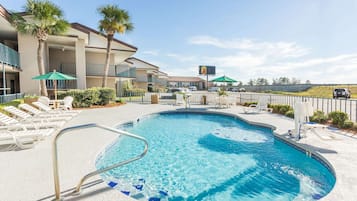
{"type": "Point", "coordinates": [89, 97]}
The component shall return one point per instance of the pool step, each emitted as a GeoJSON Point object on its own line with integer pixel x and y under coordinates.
{"type": "Point", "coordinates": [138, 190]}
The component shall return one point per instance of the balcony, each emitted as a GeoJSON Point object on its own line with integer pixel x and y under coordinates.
{"type": "Point", "coordinates": [9, 56]}
{"type": "Point", "coordinates": [114, 70]}
{"type": "Point", "coordinates": [125, 72]}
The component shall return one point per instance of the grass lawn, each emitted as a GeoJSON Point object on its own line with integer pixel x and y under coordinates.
{"type": "Point", "coordinates": [323, 91]}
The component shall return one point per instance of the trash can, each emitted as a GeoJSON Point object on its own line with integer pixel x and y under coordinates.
{"type": "Point", "coordinates": [204, 100]}
{"type": "Point", "coordinates": [154, 99]}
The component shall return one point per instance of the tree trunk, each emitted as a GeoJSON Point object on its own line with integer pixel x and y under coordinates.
{"type": "Point", "coordinates": [107, 60]}
{"type": "Point", "coordinates": [41, 66]}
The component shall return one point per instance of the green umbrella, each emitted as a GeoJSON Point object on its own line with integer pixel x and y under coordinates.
{"type": "Point", "coordinates": [224, 79]}
{"type": "Point", "coordinates": [54, 76]}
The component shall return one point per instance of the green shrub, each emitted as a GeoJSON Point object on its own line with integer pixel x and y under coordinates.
{"type": "Point", "coordinates": [222, 93]}
{"type": "Point", "coordinates": [290, 113]}
{"type": "Point", "coordinates": [338, 118]}
{"type": "Point", "coordinates": [284, 108]}
{"type": "Point", "coordinates": [354, 126]}
{"type": "Point", "coordinates": [14, 103]}
{"type": "Point", "coordinates": [319, 117]}
{"type": "Point", "coordinates": [82, 98]}
{"type": "Point", "coordinates": [119, 100]}
{"type": "Point", "coordinates": [89, 97]}
{"type": "Point", "coordinates": [280, 109]}
{"type": "Point", "coordinates": [275, 108]}
{"type": "Point", "coordinates": [247, 104]}
{"type": "Point", "coordinates": [105, 95]}
{"type": "Point", "coordinates": [347, 124]}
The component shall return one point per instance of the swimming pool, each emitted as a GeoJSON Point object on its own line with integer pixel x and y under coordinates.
{"type": "Point", "coordinates": [212, 157]}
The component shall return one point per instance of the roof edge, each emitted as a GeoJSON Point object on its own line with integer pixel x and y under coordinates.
{"type": "Point", "coordinates": [5, 13]}
{"type": "Point", "coordinates": [87, 30]}
{"type": "Point", "coordinates": [144, 62]}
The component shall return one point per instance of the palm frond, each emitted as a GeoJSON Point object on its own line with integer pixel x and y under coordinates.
{"type": "Point", "coordinates": [115, 20]}
{"type": "Point", "coordinates": [46, 18]}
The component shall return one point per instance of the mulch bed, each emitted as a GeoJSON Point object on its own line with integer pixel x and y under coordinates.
{"type": "Point", "coordinates": [101, 106]}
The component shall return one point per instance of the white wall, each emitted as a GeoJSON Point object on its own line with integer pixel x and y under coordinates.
{"type": "Point", "coordinates": [28, 59]}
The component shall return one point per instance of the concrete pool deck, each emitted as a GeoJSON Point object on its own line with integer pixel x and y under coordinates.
{"type": "Point", "coordinates": [27, 174]}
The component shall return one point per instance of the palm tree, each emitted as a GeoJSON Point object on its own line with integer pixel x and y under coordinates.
{"type": "Point", "coordinates": [46, 19]}
{"type": "Point", "coordinates": [115, 20]}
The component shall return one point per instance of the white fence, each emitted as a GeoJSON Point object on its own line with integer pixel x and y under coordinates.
{"type": "Point", "coordinates": [326, 105]}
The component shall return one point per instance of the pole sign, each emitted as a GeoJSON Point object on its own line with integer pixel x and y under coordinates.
{"type": "Point", "coordinates": [207, 70]}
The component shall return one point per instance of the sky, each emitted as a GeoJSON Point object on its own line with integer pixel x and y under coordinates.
{"type": "Point", "coordinates": [312, 40]}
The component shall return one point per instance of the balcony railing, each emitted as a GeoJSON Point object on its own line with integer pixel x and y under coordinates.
{"type": "Point", "coordinates": [9, 56]}
{"type": "Point", "coordinates": [62, 84]}
{"type": "Point", "coordinates": [9, 97]}
{"type": "Point", "coordinates": [126, 72]}
{"type": "Point", "coordinates": [146, 79]}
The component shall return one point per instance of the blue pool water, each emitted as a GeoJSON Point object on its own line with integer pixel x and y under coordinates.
{"type": "Point", "coordinates": [212, 157]}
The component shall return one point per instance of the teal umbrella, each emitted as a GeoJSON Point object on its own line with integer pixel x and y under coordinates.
{"type": "Point", "coordinates": [224, 79]}
{"type": "Point", "coordinates": [54, 76]}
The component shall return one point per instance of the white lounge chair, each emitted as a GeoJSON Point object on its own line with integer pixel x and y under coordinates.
{"type": "Point", "coordinates": [9, 141]}
{"type": "Point", "coordinates": [262, 105]}
{"type": "Point", "coordinates": [14, 134]}
{"type": "Point", "coordinates": [41, 122]}
{"type": "Point", "coordinates": [11, 124]}
{"type": "Point", "coordinates": [179, 99]}
{"type": "Point", "coordinates": [45, 100]}
{"type": "Point", "coordinates": [38, 113]}
{"type": "Point", "coordinates": [302, 113]}
{"type": "Point", "coordinates": [48, 109]}
{"type": "Point", "coordinates": [67, 103]}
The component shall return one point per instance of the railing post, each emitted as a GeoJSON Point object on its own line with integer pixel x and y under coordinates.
{"type": "Point", "coordinates": [356, 110]}
{"type": "Point", "coordinates": [91, 174]}
{"type": "Point", "coordinates": [350, 110]}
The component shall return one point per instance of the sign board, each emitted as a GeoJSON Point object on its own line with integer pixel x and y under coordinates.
{"type": "Point", "coordinates": [207, 70]}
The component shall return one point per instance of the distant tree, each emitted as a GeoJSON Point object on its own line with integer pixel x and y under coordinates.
{"type": "Point", "coordinates": [261, 81]}
{"type": "Point", "coordinates": [115, 20]}
{"type": "Point", "coordinates": [294, 81]}
{"type": "Point", "coordinates": [275, 81]}
{"type": "Point", "coordinates": [284, 80]}
{"type": "Point", "coordinates": [47, 19]}
{"type": "Point", "coordinates": [251, 82]}
{"type": "Point", "coordinates": [240, 83]}
{"type": "Point", "coordinates": [307, 82]}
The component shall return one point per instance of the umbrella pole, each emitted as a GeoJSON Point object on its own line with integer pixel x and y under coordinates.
{"type": "Point", "coordinates": [55, 87]}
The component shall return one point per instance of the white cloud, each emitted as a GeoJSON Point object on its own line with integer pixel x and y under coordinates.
{"type": "Point", "coordinates": [281, 49]}
{"type": "Point", "coordinates": [151, 52]}
{"type": "Point", "coordinates": [248, 59]}
{"type": "Point", "coordinates": [181, 58]}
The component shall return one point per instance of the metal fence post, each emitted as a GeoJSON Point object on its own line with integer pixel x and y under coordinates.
{"type": "Point", "coordinates": [350, 110]}
{"type": "Point", "coordinates": [356, 110]}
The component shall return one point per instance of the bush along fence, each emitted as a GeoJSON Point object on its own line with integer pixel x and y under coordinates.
{"type": "Point", "coordinates": [89, 97]}
{"type": "Point", "coordinates": [337, 118]}
{"type": "Point", "coordinates": [326, 105]}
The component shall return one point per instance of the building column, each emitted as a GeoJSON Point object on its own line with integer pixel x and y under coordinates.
{"type": "Point", "coordinates": [81, 64]}
{"type": "Point", "coordinates": [28, 61]}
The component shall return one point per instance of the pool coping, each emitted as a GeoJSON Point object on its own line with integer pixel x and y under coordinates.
{"type": "Point", "coordinates": [340, 153]}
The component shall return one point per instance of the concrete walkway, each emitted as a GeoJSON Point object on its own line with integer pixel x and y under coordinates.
{"type": "Point", "coordinates": [27, 174]}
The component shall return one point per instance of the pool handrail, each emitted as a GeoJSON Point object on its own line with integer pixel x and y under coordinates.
{"type": "Point", "coordinates": [91, 174]}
